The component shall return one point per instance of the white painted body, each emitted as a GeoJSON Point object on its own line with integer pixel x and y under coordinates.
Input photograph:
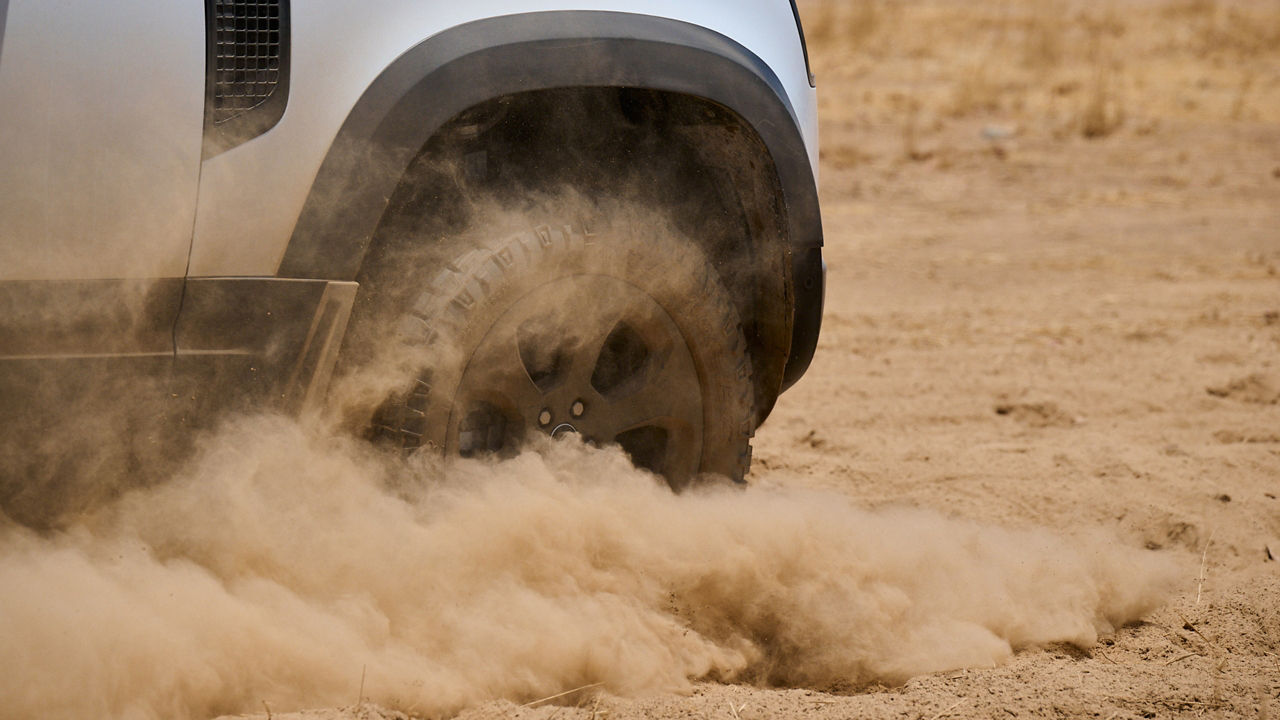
{"type": "Point", "coordinates": [151, 74]}
{"type": "Point", "coordinates": [251, 196]}
{"type": "Point", "coordinates": [100, 132]}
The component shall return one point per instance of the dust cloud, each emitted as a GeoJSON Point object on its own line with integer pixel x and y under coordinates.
{"type": "Point", "coordinates": [289, 565]}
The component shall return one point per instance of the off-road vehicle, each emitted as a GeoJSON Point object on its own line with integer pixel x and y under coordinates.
{"type": "Point", "coordinates": [600, 218]}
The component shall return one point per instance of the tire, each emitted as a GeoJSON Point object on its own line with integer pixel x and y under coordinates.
{"type": "Point", "coordinates": [622, 335]}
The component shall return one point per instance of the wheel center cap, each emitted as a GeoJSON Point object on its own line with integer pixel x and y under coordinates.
{"type": "Point", "coordinates": [563, 429]}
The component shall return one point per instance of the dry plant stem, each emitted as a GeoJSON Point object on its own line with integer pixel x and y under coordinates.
{"type": "Point", "coordinates": [1100, 116]}
{"type": "Point", "coordinates": [1187, 624]}
{"type": "Point", "coordinates": [539, 701]}
{"type": "Point", "coordinates": [1184, 657]}
{"type": "Point", "coordinates": [909, 149]}
{"type": "Point", "coordinates": [360, 697]}
{"type": "Point", "coordinates": [1169, 703]}
{"type": "Point", "coordinates": [1203, 559]}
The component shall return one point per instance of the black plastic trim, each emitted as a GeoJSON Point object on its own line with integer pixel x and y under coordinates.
{"type": "Point", "coordinates": [88, 318]}
{"type": "Point", "coordinates": [250, 316]}
{"type": "Point", "coordinates": [221, 135]}
{"type": "Point", "coordinates": [4, 16]}
{"type": "Point", "coordinates": [255, 336]}
{"type": "Point", "coordinates": [804, 46]}
{"type": "Point", "coordinates": [809, 275]}
{"type": "Point", "coordinates": [462, 67]}
{"type": "Point", "coordinates": [245, 336]}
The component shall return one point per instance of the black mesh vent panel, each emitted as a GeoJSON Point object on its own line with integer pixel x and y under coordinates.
{"type": "Point", "coordinates": [248, 56]}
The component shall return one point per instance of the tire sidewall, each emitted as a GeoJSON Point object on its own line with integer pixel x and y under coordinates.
{"type": "Point", "coordinates": [453, 314]}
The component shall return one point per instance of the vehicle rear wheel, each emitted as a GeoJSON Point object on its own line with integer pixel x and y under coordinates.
{"type": "Point", "coordinates": [622, 335]}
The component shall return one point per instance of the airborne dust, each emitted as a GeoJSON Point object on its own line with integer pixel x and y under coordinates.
{"type": "Point", "coordinates": [288, 565]}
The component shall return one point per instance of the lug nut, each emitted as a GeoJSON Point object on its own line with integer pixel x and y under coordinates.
{"type": "Point", "coordinates": [544, 418]}
{"type": "Point", "coordinates": [578, 408]}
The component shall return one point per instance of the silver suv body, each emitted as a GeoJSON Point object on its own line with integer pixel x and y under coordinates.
{"type": "Point", "coordinates": [200, 185]}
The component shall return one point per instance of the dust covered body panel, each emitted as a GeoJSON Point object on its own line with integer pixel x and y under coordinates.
{"type": "Point", "coordinates": [207, 231]}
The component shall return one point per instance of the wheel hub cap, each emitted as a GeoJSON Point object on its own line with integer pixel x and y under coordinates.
{"type": "Point", "coordinates": [590, 355]}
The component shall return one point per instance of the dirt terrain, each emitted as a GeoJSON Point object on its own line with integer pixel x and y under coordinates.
{"type": "Point", "coordinates": [1053, 238]}
{"type": "Point", "coordinates": [1034, 470]}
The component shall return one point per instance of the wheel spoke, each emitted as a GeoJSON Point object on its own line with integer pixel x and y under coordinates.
{"type": "Point", "coordinates": [666, 394]}
{"type": "Point", "coordinates": [586, 350]}
{"type": "Point", "coordinates": [497, 371]}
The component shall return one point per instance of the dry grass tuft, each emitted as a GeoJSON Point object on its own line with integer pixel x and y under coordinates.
{"type": "Point", "coordinates": [911, 133]}
{"type": "Point", "coordinates": [865, 20]}
{"type": "Point", "coordinates": [1103, 112]}
{"type": "Point", "coordinates": [1059, 68]}
{"type": "Point", "coordinates": [1243, 32]}
{"type": "Point", "coordinates": [1190, 8]}
{"type": "Point", "coordinates": [1240, 30]}
{"type": "Point", "coordinates": [1108, 25]}
{"type": "Point", "coordinates": [975, 91]}
{"type": "Point", "coordinates": [1242, 94]}
{"type": "Point", "coordinates": [1044, 37]}
{"type": "Point", "coordinates": [837, 23]}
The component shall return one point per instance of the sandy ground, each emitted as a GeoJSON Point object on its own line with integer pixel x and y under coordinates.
{"type": "Point", "coordinates": [1053, 237]}
{"type": "Point", "coordinates": [1053, 233]}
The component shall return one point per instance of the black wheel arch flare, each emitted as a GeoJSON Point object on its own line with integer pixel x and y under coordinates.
{"type": "Point", "coordinates": [464, 66]}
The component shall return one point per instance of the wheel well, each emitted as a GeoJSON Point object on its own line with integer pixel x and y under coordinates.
{"type": "Point", "coordinates": [693, 159]}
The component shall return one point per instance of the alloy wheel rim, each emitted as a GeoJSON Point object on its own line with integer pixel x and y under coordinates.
{"type": "Point", "coordinates": [586, 355]}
